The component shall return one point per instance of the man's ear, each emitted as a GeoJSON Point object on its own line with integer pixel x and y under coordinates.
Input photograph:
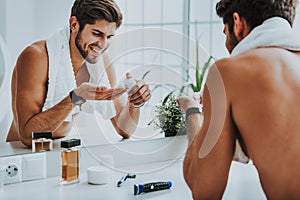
{"type": "Point", "coordinates": [74, 25]}
{"type": "Point", "coordinates": [240, 27]}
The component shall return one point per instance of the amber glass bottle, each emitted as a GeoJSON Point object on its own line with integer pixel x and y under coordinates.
{"type": "Point", "coordinates": [70, 161]}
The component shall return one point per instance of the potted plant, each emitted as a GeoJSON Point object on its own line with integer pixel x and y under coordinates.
{"type": "Point", "coordinates": [170, 119]}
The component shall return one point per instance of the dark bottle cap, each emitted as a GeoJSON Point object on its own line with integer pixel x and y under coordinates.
{"type": "Point", "coordinates": [70, 143]}
{"type": "Point", "coordinates": [42, 134]}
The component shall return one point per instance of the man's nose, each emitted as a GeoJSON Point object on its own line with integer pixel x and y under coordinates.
{"type": "Point", "coordinates": [102, 43]}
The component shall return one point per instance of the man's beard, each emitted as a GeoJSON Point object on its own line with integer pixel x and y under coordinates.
{"type": "Point", "coordinates": [233, 41]}
{"type": "Point", "coordinates": [83, 53]}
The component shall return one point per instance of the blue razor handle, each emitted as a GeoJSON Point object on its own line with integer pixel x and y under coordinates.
{"type": "Point", "coordinates": [151, 187]}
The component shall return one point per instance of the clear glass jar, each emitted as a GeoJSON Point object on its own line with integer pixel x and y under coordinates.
{"type": "Point", "coordinates": [41, 141]}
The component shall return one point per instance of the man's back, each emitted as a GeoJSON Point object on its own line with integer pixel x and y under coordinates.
{"type": "Point", "coordinates": [264, 91]}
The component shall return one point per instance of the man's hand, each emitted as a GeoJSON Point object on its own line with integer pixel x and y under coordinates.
{"type": "Point", "coordinates": [90, 91]}
{"type": "Point", "coordinates": [186, 103]}
{"type": "Point", "coordinates": [139, 94]}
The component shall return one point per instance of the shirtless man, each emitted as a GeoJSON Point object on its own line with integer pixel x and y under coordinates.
{"type": "Point", "coordinates": [252, 96]}
{"type": "Point", "coordinates": [91, 26]}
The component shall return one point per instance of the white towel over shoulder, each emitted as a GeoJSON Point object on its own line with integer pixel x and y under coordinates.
{"type": "Point", "coordinates": [61, 78]}
{"type": "Point", "coordinates": [273, 32]}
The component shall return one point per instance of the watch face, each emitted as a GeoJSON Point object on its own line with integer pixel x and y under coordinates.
{"type": "Point", "coordinates": [77, 100]}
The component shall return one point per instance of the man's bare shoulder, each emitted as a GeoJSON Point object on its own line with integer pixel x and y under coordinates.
{"type": "Point", "coordinates": [242, 61]}
{"type": "Point", "coordinates": [251, 64]}
{"type": "Point", "coordinates": [33, 63]}
{"type": "Point", "coordinates": [233, 67]}
{"type": "Point", "coordinates": [34, 56]}
{"type": "Point", "coordinates": [246, 72]}
{"type": "Point", "coordinates": [35, 49]}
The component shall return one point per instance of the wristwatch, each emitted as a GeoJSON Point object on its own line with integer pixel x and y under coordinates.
{"type": "Point", "coordinates": [192, 110]}
{"type": "Point", "coordinates": [77, 100]}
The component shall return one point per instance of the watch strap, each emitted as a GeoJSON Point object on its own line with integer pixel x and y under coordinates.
{"type": "Point", "coordinates": [139, 106]}
{"type": "Point", "coordinates": [192, 110]}
{"type": "Point", "coordinates": [77, 100]}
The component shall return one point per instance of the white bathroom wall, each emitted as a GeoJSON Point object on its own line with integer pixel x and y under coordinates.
{"type": "Point", "coordinates": [5, 96]}
{"type": "Point", "coordinates": [26, 21]}
{"type": "Point", "coordinates": [50, 15]}
{"type": "Point", "coordinates": [19, 25]}
{"type": "Point", "coordinates": [2, 17]}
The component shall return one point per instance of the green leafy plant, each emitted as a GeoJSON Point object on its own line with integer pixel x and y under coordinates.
{"type": "Point", "coordinates": [170, 119]}
{"type": "Point", "coordinates": [199, 76]}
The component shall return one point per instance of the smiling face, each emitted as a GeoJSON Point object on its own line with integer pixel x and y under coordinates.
{"type": "Point", "coordinates": [94, 39]}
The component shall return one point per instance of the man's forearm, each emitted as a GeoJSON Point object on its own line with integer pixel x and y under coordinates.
{"type": "Point", "coordinates": [127, 120]}
{"type": "Point", "coordinates": [193, 125]}
{"type": "Point", "coordinates": [49, 120]}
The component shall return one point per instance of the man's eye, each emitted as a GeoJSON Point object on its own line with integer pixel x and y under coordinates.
{"type": "Point", "coordinates": [97, 34]}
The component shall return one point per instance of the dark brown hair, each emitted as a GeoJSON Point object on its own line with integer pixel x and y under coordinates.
{"type": "Point", "coordinates": [256, 11]}
{"type": "Point", "coordinates": [88, 11]}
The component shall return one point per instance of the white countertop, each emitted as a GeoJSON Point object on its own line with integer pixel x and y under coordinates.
{"type": "Point", "coordinates": [92, 130]}
{"type": "Point", "coordinates": [51, 189]}
{"type": "Point", "coordinates": [243, 184]}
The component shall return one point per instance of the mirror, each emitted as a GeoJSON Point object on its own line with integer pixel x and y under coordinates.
{"type": "Point", "coordinates": [5, 96]}
{"type": "Point", "coordinates": [146, 41]}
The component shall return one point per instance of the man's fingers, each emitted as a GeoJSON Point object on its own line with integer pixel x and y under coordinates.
{"type": "Point", "coordinates": [141, 96]}
{"type": "Point", "coordinates": [136, 87]}
{"type": "Point", "coordinates": [144, 90]}
{"type": "Point", "coordinates": [110, 94]}
{"type": "Point", "coordinates": [141, 100]}
{"type": "Point", "coordinates": [117, 93]}
{"type": "Point", "coordinates": [101, 88]}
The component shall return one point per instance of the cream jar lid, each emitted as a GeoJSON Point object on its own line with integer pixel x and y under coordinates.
{"type": "Point", "coordinates": [97, 175]}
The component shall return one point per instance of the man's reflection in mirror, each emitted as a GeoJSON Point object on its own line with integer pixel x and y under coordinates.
{"type": "Point", "coordinates": [59, 76]}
